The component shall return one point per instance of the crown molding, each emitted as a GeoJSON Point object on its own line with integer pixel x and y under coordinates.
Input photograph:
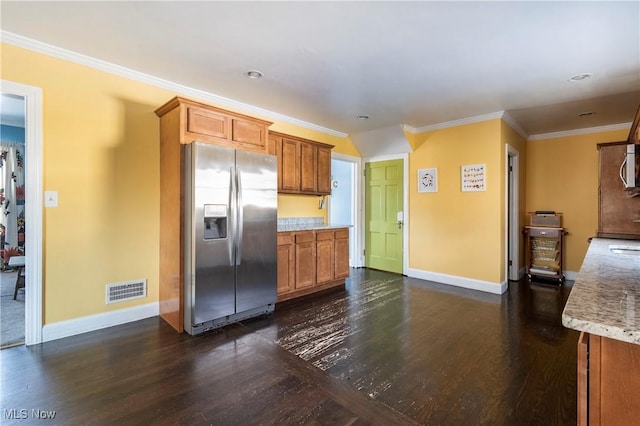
{"type": "Point", "coordinates": [454, 123]}
{"type": "Point", "coordinates": [586, 131]}
{"type": "Point", "coordinates": [98, 64]}
{"type": "Point", "coordinates": [514, 125]}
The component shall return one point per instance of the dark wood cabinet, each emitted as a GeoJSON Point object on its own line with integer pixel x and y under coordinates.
{"type": "Point", "coordinates": [608, 381]}
{"type": "Point", "coordinates": [341, 252]}
{"type": "Point", "coordinates": [305, 260]}
{"type": "Point", "coordinates": [286, 263]}
{"type": "Point", "coordinates": [325, 260]}
{"type": "Point", "coordinates": [619, 211]}
{"type": "Point", "coordinates": [311, 261]}
{"type": "Point", "coordinates": [304, 166]}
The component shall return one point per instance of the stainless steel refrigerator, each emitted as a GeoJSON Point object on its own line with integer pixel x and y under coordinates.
{"type": "Point", "coordinates": [229, 232]}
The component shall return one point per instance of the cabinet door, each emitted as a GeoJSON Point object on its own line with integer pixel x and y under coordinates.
{"type": "Point", "coordinates": [305, 260]}
{"type": "Point", "coordinates": [286, 263]}
{"type": "Point", "coordinates": [207, 123]}
{"type": "Point", "coordinates": [341, 248]}
{"type": "Point", "coordinates": [289, 162]}
{"type": "Point", "coordinates": [617, 209]}
{"type": "Point", "coordinates": [249, 134]}
{"type": "Point", "coordinates": [324, 170]}
{"type": "Point", "coordinates": [308, 167]}
{"type": "Point", "coordinates": [324, 256]}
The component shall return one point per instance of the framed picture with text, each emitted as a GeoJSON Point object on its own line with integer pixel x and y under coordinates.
{"type": "Point", "coordinates": [474, 178]}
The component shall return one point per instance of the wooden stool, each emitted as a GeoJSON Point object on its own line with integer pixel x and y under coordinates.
{"type": "Point", "coordinates": [20, 279]}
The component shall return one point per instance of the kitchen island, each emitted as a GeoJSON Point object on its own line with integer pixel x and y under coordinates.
{"type": "Point", "coordinates": [312, 256]}
{"type": "Point", "coordinates": [605, 305]}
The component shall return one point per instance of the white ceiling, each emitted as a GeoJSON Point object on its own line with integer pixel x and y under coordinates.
{"type": "Point", "coordinates": [412, 63]}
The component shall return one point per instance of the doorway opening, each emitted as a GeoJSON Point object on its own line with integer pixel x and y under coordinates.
{"type": "Point", "coordinates": [512, 261]}
{"type": "Point", "coordinates": [344, 205]}
{"type": "Point", "coordinates": [12, 220]}
{"type": "Point", "coordinates": [32, 161]}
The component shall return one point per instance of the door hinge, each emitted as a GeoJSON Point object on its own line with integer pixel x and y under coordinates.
{"type": "Point", "coordinates": [510, 168]}
{"type": "Point", "coordinates": [364, 251]}
{"type": "Point", "coordinates": [511, 263]}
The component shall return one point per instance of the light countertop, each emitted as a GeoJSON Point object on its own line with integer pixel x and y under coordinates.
{"type": "Point", "coordinates": [308, 227]}
{"type": "Point", "coordinates": [291, 224]}
{"type": "Point", "coordinates": [605, 298]}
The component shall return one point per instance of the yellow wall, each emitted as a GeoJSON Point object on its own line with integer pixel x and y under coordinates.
{"type": "Point", "coordinates": [290, 205]}
{"type": "Point", "coordinates": [454, 232]}
{"type": "Point", "coordinates": [562, 175]}
{"type": "Point", "coordinates": [101, 153]}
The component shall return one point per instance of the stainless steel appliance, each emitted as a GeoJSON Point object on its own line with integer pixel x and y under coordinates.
{"type": "Point", "coordinates": [630, 168]}
{"type": "Point", "coordinates": [230, 225]}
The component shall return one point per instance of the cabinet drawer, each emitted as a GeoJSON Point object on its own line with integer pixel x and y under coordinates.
{"type": "Point", "coordinates": [342, 233]}
{"type": "Point", "coordinates": [305, 237]}
{"type": "Point", "coordinates": [285, 239]}
{"type": "Point", "coordinates": [324, 235]}
{"type": "Point", "coordinates": [207, 123]}
{"type": "Point", "coordinates": [544, 232]}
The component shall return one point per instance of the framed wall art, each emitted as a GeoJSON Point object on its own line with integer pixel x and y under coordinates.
{"type": "Point", "coordinates": [428, 180]}
{"type": "Point", "coordinates": [474, 178]}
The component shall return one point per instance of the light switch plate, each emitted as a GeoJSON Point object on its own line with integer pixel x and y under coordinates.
{"type": "Point", "coordinates": [51, 198]}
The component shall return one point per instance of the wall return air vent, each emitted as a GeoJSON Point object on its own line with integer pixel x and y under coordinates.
{"type": "Point", "coordinates": [129, 290]}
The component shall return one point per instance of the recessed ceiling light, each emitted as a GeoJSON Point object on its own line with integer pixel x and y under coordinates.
{"type": "Point", "coordinates": [363, 117]}
{"type": "Point", "coordinates": [253, 74]}
{"type": "Point", "coordinates": [586, 114]}
{"type": "Point", "coordinates": [580, 77]}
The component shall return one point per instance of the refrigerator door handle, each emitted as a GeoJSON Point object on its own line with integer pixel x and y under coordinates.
{"type": "Point", "coordinates": [240, 217]}
{"type": "Point", "coordinates": [232, 215]}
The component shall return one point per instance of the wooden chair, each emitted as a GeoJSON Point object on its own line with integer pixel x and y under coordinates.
{"type": "Point", "coordinates": [19, 262]}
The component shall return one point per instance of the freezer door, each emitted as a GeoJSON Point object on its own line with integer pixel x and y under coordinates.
{"type": "Point", "coordinates": [209, 232]}
{"type": "Point", "coordinates": [256, 260]}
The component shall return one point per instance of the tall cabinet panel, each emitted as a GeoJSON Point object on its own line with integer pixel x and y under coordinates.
{"type": "Point", "coordinates": [183, 121]}
{"type": "Point", "coordinates": [619, 215]}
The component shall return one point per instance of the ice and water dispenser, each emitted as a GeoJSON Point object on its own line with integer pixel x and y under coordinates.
{"type": "Point", "coordinates": [215, 221]}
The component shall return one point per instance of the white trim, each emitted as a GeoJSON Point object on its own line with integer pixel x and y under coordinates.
{"type": "Point", "coordinates": [506, 117]}
{"type": "Point", "coordinates": [455, 123]}
{"type": "Point", "coordinates": [405, 206]}
{"type": "Point", "coordinates": [358, 259]}
{"type": "Point", "coordinates": [68, 55]}
{"type": "Point", "coordinates": [470, 283]}
{"type": "Point", "coordinates": [72, 327]}
{"type": "Point", "coordinates": [33, 209]}
{"type": "Point", "coordinates": [570, 275]}
{"type": "Point", "coordinates": [512, 215]}
{"type": "Point", "coordinates": [611, 127]}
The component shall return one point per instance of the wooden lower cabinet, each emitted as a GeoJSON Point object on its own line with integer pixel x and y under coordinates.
{"type": "Point", "coordinates": [310, 261]}
{"type": "Point", "coordinates": [608, 381]}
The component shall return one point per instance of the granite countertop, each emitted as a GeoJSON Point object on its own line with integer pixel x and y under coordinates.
{"type": "Point", "coordinates": [605, 299]}
{"type": "Point", "coordinates": [305, 224]}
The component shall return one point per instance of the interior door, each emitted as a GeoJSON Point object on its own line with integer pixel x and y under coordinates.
{"type": "Point", "coordinates": [383, 226]}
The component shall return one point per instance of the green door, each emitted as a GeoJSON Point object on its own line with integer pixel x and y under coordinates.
{"type": "Point", "coordinates": [383, 201]}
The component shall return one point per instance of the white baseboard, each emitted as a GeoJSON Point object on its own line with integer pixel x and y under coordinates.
{"type": "Point", "coordinates": [58, 330]}
{"type": "Point", "coordinates": [570, 275]}
{"type": "Point", "coordinates": [469, 283]}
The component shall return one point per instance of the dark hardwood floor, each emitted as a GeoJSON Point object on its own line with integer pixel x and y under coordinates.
{"type": "Point", "coordinates": [386, 350]}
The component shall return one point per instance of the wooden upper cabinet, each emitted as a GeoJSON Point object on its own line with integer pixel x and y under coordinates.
{"type": "Point", "coordinates": [304, 166]}
{"type": "Point", "coordinates": [308, 167]}
{"type": "Point", "coordinates": [201, 122]}
{"type": "Point", "coordinates": [324, 170]}
{"type": "Point", "coordinates": [289, 162]}
{"type": "Point", "coordinates": [617, 209]}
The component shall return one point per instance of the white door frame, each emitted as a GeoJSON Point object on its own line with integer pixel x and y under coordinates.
{"type": "Point", "coordinates": [512, 213]}
{"type": "Point", "coordinates": [356, 206]}
{"type": "Point", "coordinates": [405, 206]}
{"type": "Point", "coordinates": [33, 209]}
